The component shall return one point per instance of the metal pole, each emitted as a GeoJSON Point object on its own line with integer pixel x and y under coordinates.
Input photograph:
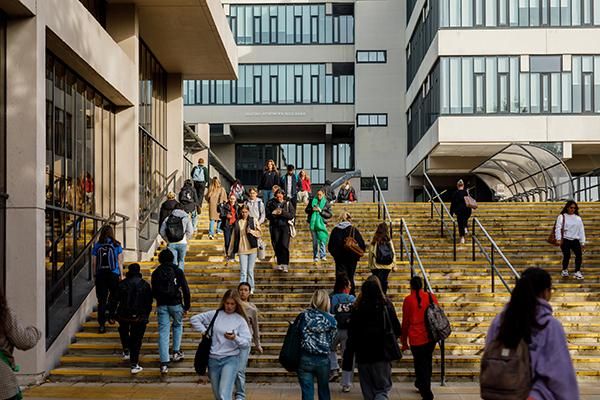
{"type": "Point", "coordinates": [473, 238]}
{"type": "Point", "coordinates": [431, 201]}
{"type": "Point", "coordinates": [412, 261]}
{"type": "Point", "coordinates": [373, 192]}
{"type": "Point", "coordinates": [442, 223]}
{"type": "Point", "coordinates": [391, 231]}
{"type": "Point", "coordinates": [401, 241]}
{"type": "Point", "coordinates": [454, 238]}
{"type": "Point", "coordinates": [492, 268]}
{"type": "Point", "coordinates": [443, 366]}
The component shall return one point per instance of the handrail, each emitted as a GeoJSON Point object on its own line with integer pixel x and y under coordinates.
{"type": "Point", "coordinates": [158, 199]}
{"type": "Point", "coordinates": [494, 248]}
{"type": "Point", "coordinates": [443, 209]}
{"type": "Point", "coordinates": [414, 253]}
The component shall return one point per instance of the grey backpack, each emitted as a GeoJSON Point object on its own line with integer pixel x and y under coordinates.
{"type": "Point", "coordinates": [505, 373]}
{"type": "Point", "coordinates": [436, 321]}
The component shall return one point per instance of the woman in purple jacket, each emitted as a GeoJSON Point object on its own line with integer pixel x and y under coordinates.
{"type": "Point", "coordinates": [528, 316]}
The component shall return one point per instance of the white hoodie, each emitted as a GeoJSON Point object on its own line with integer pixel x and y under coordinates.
{"type": "Point", "coordinates": [221, 346]}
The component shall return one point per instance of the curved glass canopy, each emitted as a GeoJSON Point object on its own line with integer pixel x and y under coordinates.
{"type": "Point", "coordinates": [526, 172]}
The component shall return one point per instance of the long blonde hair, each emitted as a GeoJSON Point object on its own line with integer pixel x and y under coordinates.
{"type": "Point", "coordinates": [215, 185]}
{"type": "Point", "coordinates": [234, 295]}
{"type": "Point", "coordinates": [320, 300]}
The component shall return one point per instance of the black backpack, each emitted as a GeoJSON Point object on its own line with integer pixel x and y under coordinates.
{"type": "Point", "coordinates": [384, 254]}
{"type": "Point", "coordinates": [342, 313]}
{"type": "Point", "coordinates": [289, 356]}
{"type": "Point", "coordinates": [106, 257]}
{"type": "Point", "coordinates": [174, 228]}
{"type": "Point", "coordinates": [134, 306]}
{"type": "Point", "coordinates": [165, 284]}
{"type": "Point", "coordinates": [186, 196]}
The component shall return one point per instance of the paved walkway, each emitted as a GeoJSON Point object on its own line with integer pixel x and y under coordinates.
{"type": "Point", "coordinates": [186, 391]}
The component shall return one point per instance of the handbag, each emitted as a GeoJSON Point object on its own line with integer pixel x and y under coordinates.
{"type": "Point", "coordinates": [470, 202]}
{"type": "Point", "coordinates": [262, 250]}
{"type": "Point", "coordinates": [436, 322]}
{"type": "Point", "coordinates": [552, 236]}
{"type": "Point", "coordinates": [351, 244]}
{"type": "Point", "coordinates": [292, 225]}
{"type": "Point", "coordinates": [203, 351]}
{"type": "Point", "coordinates": [390, 341]}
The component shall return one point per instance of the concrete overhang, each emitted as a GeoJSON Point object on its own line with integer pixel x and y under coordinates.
{"type": "Point", "coordinates": [18, 8]}
{"type": "Point", "coordinates": [189, 37]}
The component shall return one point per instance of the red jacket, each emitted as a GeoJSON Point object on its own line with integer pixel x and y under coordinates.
{"type": "Point", "coordinates": [305, 185]}
{"type": "Point", "coordinates": [414, 330]}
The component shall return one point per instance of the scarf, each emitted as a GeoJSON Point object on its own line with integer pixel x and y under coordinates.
{"type": "Point", "coordinates": [317, 223]}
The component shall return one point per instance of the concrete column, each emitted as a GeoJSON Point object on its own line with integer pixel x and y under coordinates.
{"type": "Point", "coordinates": [175, 125]}
{"type": "Point", "coordinates": [203, 132]}
{"type": "Point", "coordinates": [122, 25]}
{"type": "Point", "coordinates": [26, 161]}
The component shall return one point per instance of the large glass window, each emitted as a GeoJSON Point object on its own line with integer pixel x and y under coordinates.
{"type": "Point", "coordinates": [291, 24]}
{"type": "Point", "coordinates": [80, 183]}
{"type": "Point", "coordinates": [277, 84]}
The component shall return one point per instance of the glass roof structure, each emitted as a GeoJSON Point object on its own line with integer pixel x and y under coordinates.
{"type": "Point", "coordinates": [526, 172]}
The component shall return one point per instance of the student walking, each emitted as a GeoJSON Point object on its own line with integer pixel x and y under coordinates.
{"type": "Point", "coordinates": [458, 207]}
{"type": "Point", "coordinates": [372, 336]}
{"type": "Point", "coordinates": [347, 194]}
{"type": "Point", "coordinates": [200, 176]}
{"type": "Point", "coordinates": [345, 258]}
{"type": "Point", "coordinates": [172, 294]}
{"type": "Point", "coordinates": [270, 178]}
{"type": "Point", "coordinates": [317, 330]}
{"type": "Point", "coordinates": [570, 233]}
{"type": "Point", "coordinates": [216, 195]}
{"type": "Point", "coordinates": [189, 201]}
{"type": "Point", "coordinates": [230, 335]}
{"type": "Point", "coordinates": [304, 189]}
{"type": "Point", "coordinates": [414, 332]}
{"type": "Point", "coordinates": [237, 190]}
{"type": "Point", "coordinates": [318, 211]}
{"type": "Point", "coordinates": [12, 335]}
{"type": "Point", "coordinates": [251, 311]}
{"type": "Point", "coordinates": [131, 307]}
{"type": "Point", "coordinates": [230, 214]}
{"type": "Point", "coordinates": [167, 207]}
{"type": "Point", "coordinates": [177, 229]}
{"type": "Point", "coordinates": [382, 257]}
{"type": "Point", "coordinates": [527, 321]}
{"type": "Point", "coordinates": [279, 213]}
{"type": "Point", "coordinates": [244, 242]}
{"type": "Point", "coordinates": [341, 309]}
{"type": "Point", "coordinates": [256, 206]}
{"type": "Point", "coordinates": [107, 261]}
{"type": "Point", "coordinates": [289, 184]}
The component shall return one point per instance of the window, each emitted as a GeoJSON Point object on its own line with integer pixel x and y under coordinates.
{"type": "Point", "coordinates": [373, 56]}
{"type": "Point", "coordinates": [343, 156]}
{"type": "Point", "coordinates": [371, 119]}
{"type": "Point", "coordinates": [369, 183]}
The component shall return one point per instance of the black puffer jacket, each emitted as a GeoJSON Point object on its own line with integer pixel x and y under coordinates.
{"type": "Point", "coordinates": [166, 209]}
{"type": "Point", "coordinates": [336, 243]}
{"type": "Point", "coordinates": [118, 306]}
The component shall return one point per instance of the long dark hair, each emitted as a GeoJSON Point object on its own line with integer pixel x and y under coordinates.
{"type": "Point", "coordinates": [519, 319]}
{"type": "Point", "coordinates": [382, 234]}
{"type": "Point", "coordinates": [416, 284]}
{"type": "Point", "coordinates": [570, 203]}
{"type": "Point", "coordinates": [3, 313]}
{"type": "Point", "coordinates": [341, 283]}
{"type": "Point", "coordinates": [371, 294]}
{"type": "Point", "coordinates": [108, 233]}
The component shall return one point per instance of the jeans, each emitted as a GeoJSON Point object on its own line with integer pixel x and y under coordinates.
{"type": "Point", "coordinates": [314, 366]}
{"type": "Point", "coordinates": [194, 216]}
{"type": "Point", "coordinates": [382, 274]}
{"type": "Point", "coordinates": [375, 380]}
{"type": "Point", "coordinates": [211, 227]}
{"type": "Point", "coordinates": [222, 373]}
{"type": "Point", "coordinates": [566, 247]}
{"type": "Point", "coordinates": [106, 285]}
{"type": "Point", "coordinates": [178, 250]}
{"type": "Point", "coordinates": [247, 262]}
{"type": "Point", "coordinates": [132, 334]}
{"type": "Point", "coordinates": [341, 337]}
{"type": "Point", "coordinates": [318, 248]}
{"type": "Point", "coordinates": [422, 359]}
{"type": "Point", "coordinates": [165, 314]}
{"type": "Point", "coordinates": [240, 380]}
{"type": "Point", "coordinates": [267, 195]}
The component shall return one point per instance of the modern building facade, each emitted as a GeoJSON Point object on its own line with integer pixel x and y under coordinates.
{"type": "Point", "coordinates": [321, 85]}
{"type": "Point", "coordinates": [91, 131]}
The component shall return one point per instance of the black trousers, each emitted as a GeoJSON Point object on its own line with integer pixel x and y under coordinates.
{"type": "Point", "coordinates": [106, 285]}
{"type": "Point", "coordinates": [132, 334]}
{"type": "Point", "coordinates": [348, 268]}
{"type": "Point", "coordinates": [294, 200]}
{"type": "Point", "coordinates": [383, 275]}
{"type": "Point", "coordinates": [199, 187]}
{"type": "Point", "coordinates": [227, 231]}
{"type": "Point", "coordinates": [463, 221]}
{"type": "Point", "coordinates": [568, 246]}
{"type": "Point", "coordinates": [280, 239]}
{"type": "Point", "coordinates": [422, 358]}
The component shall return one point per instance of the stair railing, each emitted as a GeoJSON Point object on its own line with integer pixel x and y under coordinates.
{"type": "Point", "coordinates": [170, 185]}
{"type": "Point", "coordinates": [443, 212]}
{"type": "Point", "coordinates": [490, 256]}
{"type": "Point", "coordinates": [383, 212]}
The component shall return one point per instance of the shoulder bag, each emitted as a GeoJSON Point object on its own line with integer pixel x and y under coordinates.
{"type": "Point", "coordinates": [203, 351]}
{"type": "Point", "coordinates": [470, 202]}
{"type": "Point", "coordinates": [552, 236]}
{"type": "Point", "coordinates": [436, 322]}
{"type": "Point", "coordinates": [351, 244]}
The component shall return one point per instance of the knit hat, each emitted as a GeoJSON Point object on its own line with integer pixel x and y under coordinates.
{"type": "Point", "coordinates": [170, 196]}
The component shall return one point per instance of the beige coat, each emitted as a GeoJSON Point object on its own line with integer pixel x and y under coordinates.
{"type": "Point", "coordinates": [373, 264]}
{"type": "Point", "coordinates": [21, 338]}
{"type": "Point", "coordinates": [214, 199]}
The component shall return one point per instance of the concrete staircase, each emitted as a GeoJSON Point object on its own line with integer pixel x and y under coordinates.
{"type": "Point", "coordinates": [463, 287]}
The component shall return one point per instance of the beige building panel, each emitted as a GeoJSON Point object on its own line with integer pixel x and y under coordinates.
{"type": "Point", "coordinates": [296, 54]}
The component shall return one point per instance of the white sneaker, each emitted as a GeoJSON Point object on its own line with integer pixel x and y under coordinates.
{"type": "Point", "coordinates": [178, 356]}
{"type": "Point", "coordinates": [346, 388]}
{"type": "Point", "coordinates": [136, 369]}
{"type": "Point", "coordinates": [126, 356]}
{"type": "Point", "coordinates": [164, 369]}
{"type": "Point", "coordinates": [578, 275]}
{"type": "Point", "coordinates": [564, 273]}
{"type": "Point", "coordinates": [285, 268]}
{"type": "Point", "coordinates": [277, 267]}
{"type": "Point", "coordinates": [316, 259]}
{"type": "Point", "coordinates": [211, 237]}
{"type": "Point", "coordinates": [324, 258]}
{"type": "Point", "coordinates": [462, 240]}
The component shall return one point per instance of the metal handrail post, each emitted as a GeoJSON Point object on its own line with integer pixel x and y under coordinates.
{"type": "Point", "coordinates": [492, 266]}
{"type": "Point", "coordinates": [412, 261]}
{"type": "Point", "coordinates": [430, 202]}
{"type": "Point", "coordinates": [401, 240]}
{"type": "Point", "coordinates": [454, 239]}
{"type": "Point", "coordinates": [473, 238]}
{"type": "Point", "coordinates": [442, 224]}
